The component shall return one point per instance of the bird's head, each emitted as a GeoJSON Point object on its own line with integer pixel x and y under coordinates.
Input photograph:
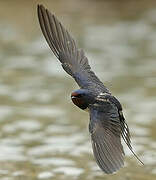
{"type": "Point", "coordinates": [82, 98]}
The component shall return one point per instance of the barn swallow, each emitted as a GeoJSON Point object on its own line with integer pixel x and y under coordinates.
{"type": "Point", "coordinates": [107, 124]}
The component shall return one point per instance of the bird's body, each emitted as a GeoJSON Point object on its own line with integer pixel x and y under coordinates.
{"type": "Point", "coordinates": [107, 124]}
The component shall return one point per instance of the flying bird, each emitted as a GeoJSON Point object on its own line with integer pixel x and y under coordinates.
{"type": "Point", "coordinates": [107, 124]}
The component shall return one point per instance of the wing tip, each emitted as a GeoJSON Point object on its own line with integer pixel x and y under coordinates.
{"type": "Point", "coordinates": [105, 161]}
{"type": "Point", "coordinates": [41, 8]}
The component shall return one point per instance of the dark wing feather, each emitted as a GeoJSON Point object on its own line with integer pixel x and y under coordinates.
{"type": "Point", "coordinates": [73, 60]}
{"type": "Point", "coordinates": [107, 126]}
{"type": "Point", "coordinates": [126, 135]}
{"type": "Point", "coordinates": [124, 127]}
{"type": "Point", "coordinates": [106, 137]}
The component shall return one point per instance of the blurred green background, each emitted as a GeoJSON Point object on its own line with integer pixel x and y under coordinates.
{"type": "Point", "coordinates": [42, 134]}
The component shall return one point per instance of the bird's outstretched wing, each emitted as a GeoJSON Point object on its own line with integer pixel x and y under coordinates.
{"type": "Point", "coordinates": [73, 60]}
{"type": "Point", "coordinates": [105, 133]}
{"type": "Point", "coordinates": [107, 126]}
